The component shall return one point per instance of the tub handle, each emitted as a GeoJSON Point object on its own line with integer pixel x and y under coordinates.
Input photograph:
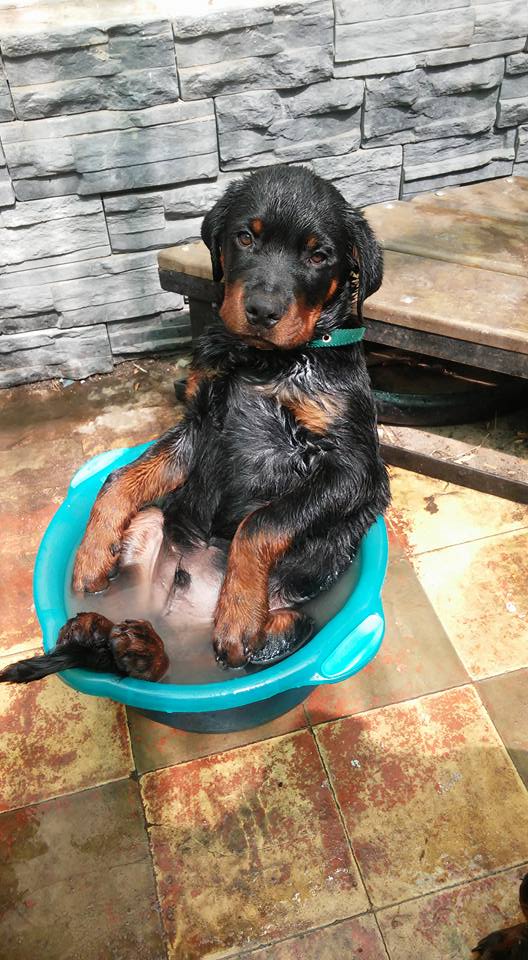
{"type": "Point", "coordinates": [354, 651]}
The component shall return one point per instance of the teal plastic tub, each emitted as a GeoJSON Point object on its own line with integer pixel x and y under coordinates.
{"type": "Point", "coordinates": [340, 649]}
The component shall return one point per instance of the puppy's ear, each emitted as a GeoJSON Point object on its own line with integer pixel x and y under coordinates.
{"type": "Point", "coordinates": [366, 257]}
{"type": "Point", "coordinates": [213, 228]}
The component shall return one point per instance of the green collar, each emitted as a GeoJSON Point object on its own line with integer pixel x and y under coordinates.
{"type": "Point", "coordinates": [339, 338]}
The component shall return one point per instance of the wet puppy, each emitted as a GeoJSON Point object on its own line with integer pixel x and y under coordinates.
{"type": "Point", "coordinates": [275, 462]}
{"type": "Point", "coordinates": [509, 944]}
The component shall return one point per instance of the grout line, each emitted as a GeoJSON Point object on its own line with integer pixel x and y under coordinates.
{"type": "Point", "coordinates": [462, 543]}
{"type": "Point", "coordinates": [393, 703]}
{"type": "Point", "coordinates": [341, 817]}
{"type": "Point", "coordinates": [69, 793]}
{"type": "Point", "coordinates": [136, 776]}
{"type": "Point", "coordinates": [453, 886]}
{"type": "Point", "coordinates": [296, 936]}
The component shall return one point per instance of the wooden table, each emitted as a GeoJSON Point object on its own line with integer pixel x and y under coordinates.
{"type": "Point", "coordinates": [455, 288]}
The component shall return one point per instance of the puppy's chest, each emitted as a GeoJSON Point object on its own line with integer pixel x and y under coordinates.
{"type": "Point", "coordinates": [282, 418]}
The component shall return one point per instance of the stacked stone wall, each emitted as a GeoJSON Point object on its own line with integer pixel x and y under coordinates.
{"type": "Point", "coordinates": [115, 138]}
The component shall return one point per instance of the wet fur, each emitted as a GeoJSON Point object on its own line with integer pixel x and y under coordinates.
{"type": "Point", "coordinates": [277, 450]}
{"type": "Point", "coordinates": [509, 944]}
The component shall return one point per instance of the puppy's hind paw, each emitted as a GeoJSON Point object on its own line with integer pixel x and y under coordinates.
{"type": "Point", "coordinates": [138, 651]}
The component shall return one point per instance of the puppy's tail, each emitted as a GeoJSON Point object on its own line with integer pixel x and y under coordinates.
{"type": "Point", "coordinates": [83, 641]}
{"type": "Point", "coordinates": [34, 668]}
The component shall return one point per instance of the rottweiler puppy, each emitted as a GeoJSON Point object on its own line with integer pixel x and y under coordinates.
{"type": "Point", "coordinates": [275, 463]}
{"type": "Point", "coordinates": [509, 944]}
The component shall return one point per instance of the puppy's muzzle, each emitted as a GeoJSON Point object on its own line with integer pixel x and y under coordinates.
{"type": "Point", "coordinates": [263, 310]}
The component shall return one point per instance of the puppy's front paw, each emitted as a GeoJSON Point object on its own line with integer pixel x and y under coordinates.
{"type": "Point", "coordinates": [138, 651]}
{"type": "Point", "coordinates": [96, 562]}
{"type": "Point", "coordinates": [236, 638]}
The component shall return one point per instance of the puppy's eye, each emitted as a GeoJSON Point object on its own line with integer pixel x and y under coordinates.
{"type": "Point", "coordinates": [318, 257]}
{"type": "Point", "coordinates": [244, 238]}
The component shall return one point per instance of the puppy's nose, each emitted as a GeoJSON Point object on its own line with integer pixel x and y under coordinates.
{"type": "Point", "coordinates": [262, 310]}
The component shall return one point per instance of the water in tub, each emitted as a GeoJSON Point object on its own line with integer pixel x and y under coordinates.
{"type": "Point", "coordinates": [176, 587]}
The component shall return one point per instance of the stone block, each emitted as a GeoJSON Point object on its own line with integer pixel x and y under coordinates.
{"type": "Point", "coordinates": [394, 36]}
{"type": "Point", "coordinates": [28, 323]}
{"type": "Point", "coordinates": [498, 21]}
{"type": "Point", "coordinates": [149, 221]}
{"type": "Point", "coordinates": [358, 11]}
{"type": "Point", "coordinates": [364, 176]}
{"type": "Point", "coordinates": [43, 232]}
{"type": "Point", "coordinates": [46, 354]}
{"type": "Point", "coordinates": [288, 68]}
{"type": "Point", "coordinates": [142, 46]}
{"type": "Point", "coordinates": [428, 104]}
{"type": "Point", "coordinates": [263, 127]}
{"type": "Point", "coordinates": [512, 112]}
{"type": "Point", "coordinates": [7, 111]}
{"type": "Point", "coordinates": [46, 41]}
{"type": "Point", "coordinates": [108, 290]}
{"type": "Point", "coordinates": [122, 92]}
{"type": "Point", "coordinates": [221, 21]}
{"type": "Point", "coordinates": [7, 197]}
{"type": "Point", "coordinates": [305, 24]}
{"type": "Point", "coordinates": [255, 41]}
{"type": "Point", "coordinates": [121, 67]}
{"type": "Point", "coordinates": [450, 154]}
{"type": "Point", "coordinates": [497, 168]}
{"type": "Point", "coordinates": [514, 87]}
{"type": "Point", "coordinates": [168, 332]}
{"type": "Point", "coordinates": [379, 66]}
{"type": "Point", "coordinates": [112, 150]}
{"type": "Point", "coordinates": [475, 51]}
{"type": "Point", "coordinates": [518, 63]}
{"type": "Point", "coordinates": [520, 169]}
{"type": "Point", "coordinates": [522, 144]}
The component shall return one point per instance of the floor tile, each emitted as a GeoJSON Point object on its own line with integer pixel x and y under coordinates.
{"type": "Point", "coordinates": [76, 879]}
{"type": "Point", "coordinates": [155, 745]}
{"type": "Point", "coordinates": [428, 794]}
{"type": "Point", "coordinates": [429, 514]}
{"type": "Point", "coordinates": [479, 593]}
{"type": "Point", "coordinates": [416, 656]}
{"type": "Point", "coordinates": [54, 740]}
{"type": "Point", "coordinates": [248, 847]}
{"type": "Point", "coordinates": [19, 627]}
{"type": "Point", "coordinates": [120, 426]}
{"type": "Point", "coordinates": [357, 939]}
{"type": "Point", "coordinates": [447, 925]}
{"type": "Point", "coordinates": [506, 700]}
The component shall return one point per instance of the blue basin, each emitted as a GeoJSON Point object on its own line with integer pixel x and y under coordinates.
{"type": "Point", "coordinates": [341, 648]}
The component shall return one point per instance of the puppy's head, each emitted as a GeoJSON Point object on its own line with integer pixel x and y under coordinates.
{"type": "Point", "coordinates": [293, 254]}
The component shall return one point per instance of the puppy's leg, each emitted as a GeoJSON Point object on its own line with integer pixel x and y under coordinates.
{"type": "Point", "coordinates": [161, 469]}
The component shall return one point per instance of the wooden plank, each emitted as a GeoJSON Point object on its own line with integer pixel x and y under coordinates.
{"type": "Point", "coordinates": [456, 236]}
{"type": "Point", "coordinates": [453, 300]}
{"type": "Point", "coordinates": [480, 468]}
{"type": "Point", "coordinates": [504, 199]}
{"type": "Point", "coordinates": [189, 258]}
{"type": "Point", "coordinates": [447, 348]}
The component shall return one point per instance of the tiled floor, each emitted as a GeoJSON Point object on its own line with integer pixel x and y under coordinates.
{"type": "Point", "coordinates": [388, 817]}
